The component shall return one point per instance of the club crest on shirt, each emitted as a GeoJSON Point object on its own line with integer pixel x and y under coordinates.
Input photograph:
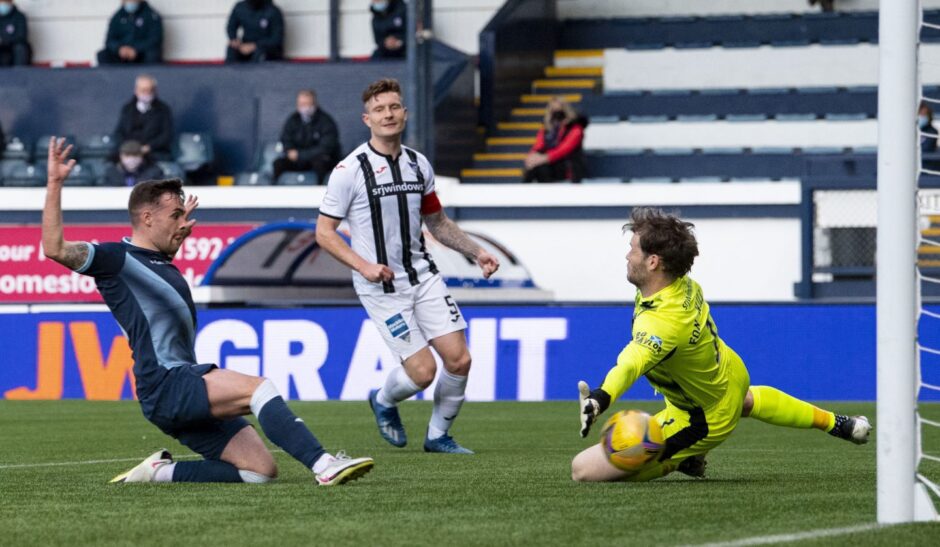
{"type": "Point", "coordinates": [650, 341]}
{"type": "Point", "coordinates": [397, 326]}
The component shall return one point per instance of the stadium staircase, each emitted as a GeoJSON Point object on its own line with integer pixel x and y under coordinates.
{"type": "Point", "coordinates": [575, 75]}
{"type": "Point", "coordinates": [679, 124]}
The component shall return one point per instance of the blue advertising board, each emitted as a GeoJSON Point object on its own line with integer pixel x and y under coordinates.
{"type": "Point", "coordinates": [527, 353]}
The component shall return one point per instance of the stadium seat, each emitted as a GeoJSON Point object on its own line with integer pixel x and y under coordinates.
{"type": "Point", "coordinates": [194, 151]}
{"type": "Point", "coordinates": [8, 166]}
{"type": "Point", "coordinates": [16, 150]}
{"type": "Point", "coordinates": [269, 152]}
{"type": "Point", "coordinates": [98, 146]}
{"type": "Point", "coordinates": [24, 174]}
{"type": "Point", "coordinates": [96, 167]}
{"type": "Point", "coordinates": [252, 179]}
{"type": "Point", "coordinates": [81, 175]}
{"type": "Point", "coordinates": [171, 170]}
{"type": "Point", "coordinates": [298, 178]}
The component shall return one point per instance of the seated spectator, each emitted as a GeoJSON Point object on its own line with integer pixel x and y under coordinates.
{"type": "Point", "coordinates": [135, 35]}
{"type": "Point", "coordinates": [557, 153]}
{"type": "Point", "coordinates": [310, 139]}
{"type": "Point", "coordinates": [147, 120]}
{"type": "Point", "coordinates": [262, 32]}
{"type": "Point", "coordinates": [928, 143]}
{"type": "Point", "coordinates": [132, 167]}
{"type": "Point", "coordinates": [388, 28]}
{"type": "Point", "coordinates": [14, 47]}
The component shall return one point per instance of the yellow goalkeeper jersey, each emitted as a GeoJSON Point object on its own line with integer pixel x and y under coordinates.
{"type": "Point", "coordinates": [676, 346]}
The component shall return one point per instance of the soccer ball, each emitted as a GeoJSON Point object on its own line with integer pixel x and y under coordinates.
{"type": "Point", "coordinates": [631, 439]}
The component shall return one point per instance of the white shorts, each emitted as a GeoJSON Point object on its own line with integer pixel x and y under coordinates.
{"type": "Point", "coordinates": [408, 319]}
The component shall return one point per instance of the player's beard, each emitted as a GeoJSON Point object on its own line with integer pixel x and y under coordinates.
{"type": "Point", "coordinates": [634, 275]}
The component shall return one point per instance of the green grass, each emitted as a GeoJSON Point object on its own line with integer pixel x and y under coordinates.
{"type": "Point", "coordinates": [515, 491]}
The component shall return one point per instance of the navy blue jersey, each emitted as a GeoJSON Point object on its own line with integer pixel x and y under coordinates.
{"type": "Point", "coordinates": [151, 301]}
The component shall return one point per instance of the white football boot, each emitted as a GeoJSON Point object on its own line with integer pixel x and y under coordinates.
{"type": "Point", "coordinates": [145, 470]}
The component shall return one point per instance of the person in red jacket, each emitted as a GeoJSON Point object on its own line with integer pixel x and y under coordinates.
{"type": "Point", "coordinates": [557, 154]}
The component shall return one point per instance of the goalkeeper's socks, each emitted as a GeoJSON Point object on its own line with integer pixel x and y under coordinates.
{"type": "Point", "coordinates": [776, 407]}
{"type": "Point", "coordinates": [398, 387]}
{"type": "Point", "coordinates": [448, 398]}
{"type": "Point", "coordinates": [198, 471]}
{"type": "Point", "coordinates": [283, 427]}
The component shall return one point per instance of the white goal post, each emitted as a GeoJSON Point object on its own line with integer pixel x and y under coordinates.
{"type": "Point", "coordinates": [901, 497]}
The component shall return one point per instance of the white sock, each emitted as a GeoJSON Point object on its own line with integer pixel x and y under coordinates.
{"type": "Point", "coordinates": [398, 387]}
{"type": "Point", "coordinates": [164, 473]}
{"type": "Point", "coordinates": [252, 477]}
{"type": "Point", "coordinates": [323, 461]}
{"type": "Point", "coordinates": [448, 398]}
{"type": "Point", "coordinates": [262, 395]}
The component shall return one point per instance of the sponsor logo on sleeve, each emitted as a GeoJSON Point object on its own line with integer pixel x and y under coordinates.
{"type": "Point", "coordinates": [649, 341]}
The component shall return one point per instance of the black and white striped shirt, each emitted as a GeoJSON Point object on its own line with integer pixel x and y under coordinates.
{"type": "Point", "coordinates": [383, 198]}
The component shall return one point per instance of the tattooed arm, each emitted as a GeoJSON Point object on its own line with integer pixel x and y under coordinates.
{"type": "Point", "coordinates": [68, 253]}
{"type": "Point", "coordinates": [448, 233]}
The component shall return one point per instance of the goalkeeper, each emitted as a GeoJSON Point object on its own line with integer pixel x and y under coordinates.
{"type": "Point", "coordinates": [676, 346]}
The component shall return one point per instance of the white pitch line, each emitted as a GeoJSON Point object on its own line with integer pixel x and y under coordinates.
{"type": "Point", "coordinates": [94, 462]}
{"type": "Point", "coordinates": [799, 536]}
{"type": "Point", "coordinates": [86, 462]}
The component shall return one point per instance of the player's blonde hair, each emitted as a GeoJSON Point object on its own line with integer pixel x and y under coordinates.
{"type": "Point", "coordinates": [666, 236]}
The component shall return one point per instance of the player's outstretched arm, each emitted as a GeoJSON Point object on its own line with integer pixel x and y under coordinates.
{"type": "Point", "coordinates": [447, 232]}
{"type": "Point", "coordinates": [329, 239]}
{"type": "Point", "coordinates": [70, 254]}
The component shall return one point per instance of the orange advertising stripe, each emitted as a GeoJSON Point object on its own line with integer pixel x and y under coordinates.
{"type": "Point", "coordinates": [50, 365]}
{"type": "Point", "coordinates": [103, 380]}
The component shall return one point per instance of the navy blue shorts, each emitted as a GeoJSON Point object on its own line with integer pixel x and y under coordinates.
{"type": "Point", "coordinates": [179, 406]}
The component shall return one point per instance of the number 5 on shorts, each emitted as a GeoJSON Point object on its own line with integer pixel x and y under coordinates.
{"type": "Point", "coordinates": [454, 312]}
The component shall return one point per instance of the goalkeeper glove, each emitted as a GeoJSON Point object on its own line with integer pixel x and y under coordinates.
{"type": "Point", "coordinates": [592, 404]}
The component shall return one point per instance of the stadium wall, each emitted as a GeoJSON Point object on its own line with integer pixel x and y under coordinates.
{"type": "Point", "coordinates": [568, 236]}
{"type": "Point", "coordinates": [68, 32]}
{"type": "Point", "coordinates": [528, 353]}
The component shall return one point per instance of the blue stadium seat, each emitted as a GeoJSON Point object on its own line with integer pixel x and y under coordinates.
{"type": "Point", "coordinates": [195, 151]}
{"type": "Point", "coordinates": [98, 146]}
{"type": "Point", "coordinates": [252, 179]}
{"type": "Point", "coordinates": [16, 150]}
{"type": "Point", "coordinates": [96, 167]}
{"type": "Point", "coordinates": [7, 166]}
{"type": "Point", "coordinates": [298, 178]}
{"type": "Point", "coordinates": [172, 170]}
{"type": "Point", "coordinates": [81, 175]}
{"type": "Point", "coordinates": [24, 174]}
{"type": "Point", "coordinates": [269, 152]}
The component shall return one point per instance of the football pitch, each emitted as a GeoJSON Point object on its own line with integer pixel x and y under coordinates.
{"type": "Point", "coordinates": [765, 484]}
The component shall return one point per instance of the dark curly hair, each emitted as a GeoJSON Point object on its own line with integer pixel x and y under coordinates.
{"type": "Point", "coordinates": [666, 236]}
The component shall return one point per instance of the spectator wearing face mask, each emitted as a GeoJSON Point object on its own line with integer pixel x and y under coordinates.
{"type": "Point", "coordinates": [132, 167]}
{"type": "Point", "coordinates": [135, 35]}
{"type": "Point", "coordinates": [557, 154]}
{"type": "Point", "coordinates": [147, 120]}
{"type": "Point", "coordinates": [14, 47]}
{"type": "Point", "coordinates": [310, 139]}
{"type": "Point", "coordinates": [928, 134]}
{"type": "Point", "coordinates": [388, 28]}
{"type": "Point", "coordinates": [261, 25]}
